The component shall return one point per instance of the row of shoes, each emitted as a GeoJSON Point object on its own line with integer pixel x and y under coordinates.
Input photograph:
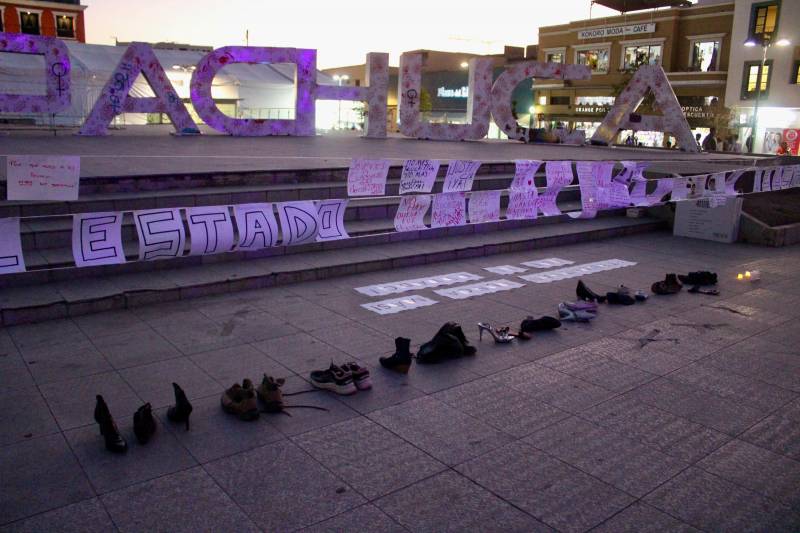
{"type": "Point", "coordinates": [622, 296]}
{"type": "Point", "coordinates": [144, 423]}
{"type": "Point", "coordinates": [242, 399]}
{"type": "Point", "coordinates": [673, 283]}
{"type": "Point", "coordinates": [345, 379]}
{"type": "Point", "coordinates": [448, 343]}
{"type": "Point", "coordinates": [527, 327]}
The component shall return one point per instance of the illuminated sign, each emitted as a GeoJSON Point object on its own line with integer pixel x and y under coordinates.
{"type": "Point", "coordinates": [462, 92]}
{"type": "Point", "coordinates": [617, 31]}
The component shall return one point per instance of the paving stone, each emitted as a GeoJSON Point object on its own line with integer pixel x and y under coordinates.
{"type": "Point", "coordinates": [305, 419]}
{"type": "Point", "coordinates": [87, 516]}
{"type": "Point", "coordinates": [214, 433]}
{"type": "Point", "coordinates": [356, 340]}
{"type": "Point", "coordinates": [124, 350]}
{"type": "Point", "coordinates": [364, 518]}
{"type": "Point", "coordinates": [702, 407]}
{"type": "Point", "coordinates": [60, 362]}
{"type": "Point", "coordinates": [39, 475]}
{"type": "Point", "coordinates": [670, 434]}
{"type": "Point", "coordinates": [368, 457]}
{"type": "Point", "coordinates": [445, 433]}
{"type": "Point", "coordinates": [440, 376]}
{"type": "Point", "coordinates": [186, 501]}
{"type": "Point", "coordinates": [14, 373]}
{"type": "Point", "coordinates": [388, 388]}
{"type": "Point", "coordinates": [597, 369]}
{"type": "Point", "coordinates": [153, 382]}
{"type": "Point", "coordinates": [641, 518]}
{"type": "Point", "coordinates": [622, 462]}
{"type": "Point", "coordinates": [110, 471]}
{"type": "Point", "coordinates": [301, 353]}
{"type": "Point", "coordinates": [760, 359]}
{"type": "Point", "coordinates": [708, 502]}
{"type": "Point", "coordinates": [501, 407]}
{"type": "Point", "coordinates": [553, 387]}
{"type": "Point", "coordinates": [449, 502]}
{"type": "Point", "coordinates": [110, 323]}
{"type": "Point", "coordinates": [777, 433]}
{"type": "Point", "coordinates": [299, 491]}
{"type": "Point", "coordinates": [231, 365]}
{"type": "Point", "coordinates": [53, 332]}
{"type": "Point", "coordinates": [24, 415]}
{"type": "Point", "coordinates": [559, 495]}
{"type": "Point", "coordinates": [757, 469]}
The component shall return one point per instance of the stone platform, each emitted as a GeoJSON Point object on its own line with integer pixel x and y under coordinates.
{"type": "Point", "coordinates": [678, 414]}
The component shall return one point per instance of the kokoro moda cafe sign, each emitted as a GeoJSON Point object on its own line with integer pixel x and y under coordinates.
{"type": "Point", "coordinates": [617, 31]}
{"type": "Point", "coordinates": [487, 100]}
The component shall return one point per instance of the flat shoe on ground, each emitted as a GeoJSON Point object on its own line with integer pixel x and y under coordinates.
{"type": "Point", "coordinates": [544, 323]}
{"type": "Point", "coordinates": [702, 277]}
{"type": "Point", "coordinates": [697, 290]}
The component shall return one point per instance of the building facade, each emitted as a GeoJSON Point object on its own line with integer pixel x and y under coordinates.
{"type": "Point", "coordinates": [53, 18]}
{"type": "Point", "coordinates": [776, 25]}
{"type": "Point", "coordinates": [692, 44]}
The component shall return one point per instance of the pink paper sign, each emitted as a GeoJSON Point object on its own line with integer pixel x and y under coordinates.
{"type": "Point", "coordinates": [367, 177]}
{"type": "Point", "coordinates": [460, 175]}
{"type": "Point", "coordinates": [449, 209]}
{"type": "Point", "coordinates": [484, 206]}
{"type": "Point", "coordinates": [418, 175]}
{"type": "Point", "coordinates": [524, 174]}
{"type": "Point", "coordinates": [522, 205]}
{"type": "Point", "coordinates": [410, 214]}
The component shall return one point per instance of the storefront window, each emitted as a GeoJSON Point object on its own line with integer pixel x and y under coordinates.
{"type": "Point", "coordinates": [750, 79]}
{"type": "Point", "coordinates": [795, 78]}
{"type": "Point", "coordinates": [596, 60]}
{"type": "Point", "coordinates": [29, 22]}
{"type": "Point", "coordinates": [594, 100]}
{"type": "Point", "coordinates": [705, 56]}
{"type": "Point", "coordinates": [643, 54]}
{"type": "Point", "coordinates": [557, 57]}
{"type": "Point", "coordinates": [65, 26]}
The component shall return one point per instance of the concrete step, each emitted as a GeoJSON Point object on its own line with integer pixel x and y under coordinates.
{"type": "Point", "coordinates": [55, 231]}
{"type": "Point", "coordinates": [68, 291]}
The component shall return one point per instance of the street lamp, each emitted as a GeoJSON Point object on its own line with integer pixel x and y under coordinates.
{"type": "Point", "coordinates": [339, 79]}
{"type": "Point", "coordinates": [464, 64]}
{"type": "Point", "coordinates": [765, 40]}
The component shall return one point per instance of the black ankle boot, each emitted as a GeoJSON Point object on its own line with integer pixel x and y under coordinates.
{"type": "Point", "coordinates": [108, 428]}
{"type": "Point", "coordinates": [585, 293]}
{"type": "Point", "coordinates": [144, 424]}
{"type": "Point", "coordinates": [182, 409]}
{"type": "Point", "coordinates": [456, 331]}
{"type": "Point", "coordinates": [400, 360]}
{"type": "Point", "coordinates": [445, 345]}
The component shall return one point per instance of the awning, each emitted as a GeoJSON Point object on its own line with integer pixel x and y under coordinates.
{"type": "Point", "coordinates": [624, 6]}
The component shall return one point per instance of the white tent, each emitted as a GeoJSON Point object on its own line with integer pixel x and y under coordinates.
{"type": "Point", "coordinates": [259, 90]}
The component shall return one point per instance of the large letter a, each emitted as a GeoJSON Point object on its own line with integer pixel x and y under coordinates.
{"type": "Point", "coordinates": [647, 77]}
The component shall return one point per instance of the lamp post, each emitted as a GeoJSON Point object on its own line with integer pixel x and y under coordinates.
{"type": "Point", "coordinates": [765, 40]}
{"type": "Point", "coordinates": [339, 79]}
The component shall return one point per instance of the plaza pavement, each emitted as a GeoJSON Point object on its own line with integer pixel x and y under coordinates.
{"type": "Point", "coordinates": [678, 414]}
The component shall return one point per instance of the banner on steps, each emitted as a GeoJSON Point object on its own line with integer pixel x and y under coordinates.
{"type": "Point", "coordinates": [97, 238]}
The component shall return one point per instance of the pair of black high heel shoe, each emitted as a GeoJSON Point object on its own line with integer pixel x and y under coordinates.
{"type": "Point", "coordinates": [144, 423]}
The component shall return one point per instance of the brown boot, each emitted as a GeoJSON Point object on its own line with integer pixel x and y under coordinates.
{"type": "Point", "coordinates": [240, 400]}
{"type": "Point", "coordinates": [270, 393]}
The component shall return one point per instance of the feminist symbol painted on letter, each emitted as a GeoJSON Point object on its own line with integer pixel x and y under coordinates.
{"type": "Point", "coordinates": [411, 96]}
{"type": "Point", "coordinates": [59, 71]}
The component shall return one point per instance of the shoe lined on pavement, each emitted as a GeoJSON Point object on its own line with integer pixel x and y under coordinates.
{"type": "Point", "coordinates": [585, 293]}
{"type": "Point", "coordinates": [620, 297]}
{"type": "Point", "coordinates": [400, 360]}
{"type": "Point", "coordinates": [697, 290]}
{"type": "Point", "coordinates": [670, 285]}
{"type": "Point", "coordinates": [575, 315]}
{"type": "Point", "coordinates": [269, 392]}
{"type": "Point", "coordinates": [448, 343]}
{"type": "Point", "coordinates": [581, 305]}
{"type": "Point", "coordinates": [180, 412]}
{"type": "Point", "coordinates": [702, 277]}
{"type": "Point", "coordinates": [361, 377]}
{"type": "Point", "coordinates": [545, 323]}
{"type": "Point", "coordinates": [144, 424]}
{"type": "Point", "coordinates": [108, 428]}
{"type": "Point", "coordinates": [240, 400]}
{"type": "Point", "coordinates": [334, 379]}
{"type": "Point", "coordinates": [500, 335]}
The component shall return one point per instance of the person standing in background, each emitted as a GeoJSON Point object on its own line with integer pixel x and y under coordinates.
{"type": "Point", "coordinates": [710, 142]}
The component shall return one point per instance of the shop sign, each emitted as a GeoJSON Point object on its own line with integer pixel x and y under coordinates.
{"type": "Point", "coordinates": [792, 138]}
{"type": "Point", "coordinates": [617, 31]}
{"type": "Point", "coordinates": [461, 92]}
{"type": "Point", "coordinates": [696, 111]}
{"type": "Point", "coordinates": [592, 109]}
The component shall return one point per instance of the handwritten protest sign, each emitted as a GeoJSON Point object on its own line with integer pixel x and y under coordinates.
{"type": "Point", "coordinates": [43, 177]}
{"type": "Point", "coordinates": [524, 174]}
{"type": "Point", "coordinates": [411, 212]}
{"type": "Point", "coordinates": [449, 209]}
{"type": "Point", "coordinates": [522, 205]}
{"type": "Point", "coordinates": [484, 206]}
{"type": "Point", "coordinates": [559, 175]}
{"type": "Point", "coordinates": [460, 175]}
{"type": "Point", "coordinates": [367, 177]}
{"type": "Point", "coordinates": [418, 175]}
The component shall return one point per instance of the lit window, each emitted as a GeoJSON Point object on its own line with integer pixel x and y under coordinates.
{"type": "Point", "coordinates": [750, 79]}
{"type": "Point", "coordinates": [29, 22]}
{"type": "Point", "coordinates": [542, 100]}
{"type": "Point", "coordinates": [795, 79]}
{"type": "Point", "coordinates": [596, 60]}
{"type": "Point", "coordinates": [557, 57]}
{"type": "Point", "coordinates": [643, 54]}
{"type": "Point", "coordinates": [764, 19]}
{"type": "Point", "coordinates": [1, 19]}
{"type": "Point", "coordinates": [594, 100]}
{"type": "Point", "coordinates": [65, 26]}
{"type": "Point", "coordinates": [705, 56]}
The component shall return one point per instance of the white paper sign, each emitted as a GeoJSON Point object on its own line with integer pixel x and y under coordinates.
{"type": "Point", "coordinates": [730, 182]}
{"type": "Point", "coordinates": [394, 287]}
{"type": "Point", "coordinates": [702, 220]}
{"type": "Point", "coordinates": [210, 230]}
{"type": "Point", "coordinates": [43, 177]}
{"type": "Point", "coordinates": [522, 204]}
{"type": "Point", "coordinates": [591, 175]}
{"type": "Point", "coordinates": [418, 175]}
{"type": "Point", "coordinates": [11, 258]}
{"type": "Point", "coordinates": [395, 305]}
{"type": "Point", "coordinates": [640, 198]}
{"type": "Point", "coordinates": [524, 174]}
{"type": "Point", "coordinates": [299, 222]}
{"type": "Point", "coordinates": [550, 262]}
{"type": "Point", "coordinates": [505, 270]}
{"type": "Point", "coordinates": [460, 175]}
{"type": "Point", "coordinates": [478, 289]}
{"type": "Point", "coordinates": [559, 175]}
{"type": "Point", "coordinates": [161, 233]}
{"type": "Point", "coordinates": [576, 271]}
{"type": "Point", "coordinates": [97, 239]}
{"type": "Point", "coordinates": [757, 180]}
{"type": "Point", "coordinates": [331, 220]}
{"type": "Point", "coordinates": [449, 209]}
{"type": "Point", "coordinates": [484, 206]}
{"type": "Point", "coordinates": [258, 228]}
{"type": "Point", "coordinates": [410, 214]}
{"type": "Point", "coordinates": [367, 177]}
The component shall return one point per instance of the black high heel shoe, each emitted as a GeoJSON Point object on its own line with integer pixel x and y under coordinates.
{"type": "Point", "coordinates": [144, 424]}
{"type": "Point", "coordinates": [182, 409]}
{"type": "Point", "coordinates": [108, 428]}
{"type": "Point", "coordinates": [585, 293]}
